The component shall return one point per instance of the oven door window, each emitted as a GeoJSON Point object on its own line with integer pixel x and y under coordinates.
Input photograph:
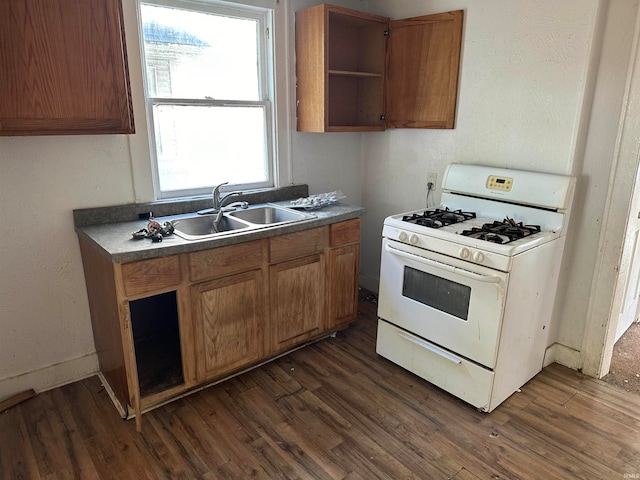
{"type": "Point", "coordinates": [437, 292]}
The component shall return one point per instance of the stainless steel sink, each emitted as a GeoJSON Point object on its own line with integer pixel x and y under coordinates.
{"type": "Point", "coordinates": [269, 215]}
{"type": "Point", "coordinates": [195, 228]}
{"type": "Point", "coordinates": [198, 227]}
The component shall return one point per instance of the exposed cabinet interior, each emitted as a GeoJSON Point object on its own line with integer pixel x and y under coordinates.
{"type": "Point", "coordinates": [63, 68]}
{"type": "Point", "coordinates": [156, 338]}
{"type": "Point", "coordinates": [356, 70]}
{"type": "Point", "coordinates": [360, 72]}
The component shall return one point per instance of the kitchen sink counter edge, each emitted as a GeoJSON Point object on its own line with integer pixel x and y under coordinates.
{"type": "Point", "coordinates": [114, 240]}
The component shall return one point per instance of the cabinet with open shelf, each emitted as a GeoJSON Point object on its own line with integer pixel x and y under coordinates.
{"type": "Point", "coordinates": [362, 72]}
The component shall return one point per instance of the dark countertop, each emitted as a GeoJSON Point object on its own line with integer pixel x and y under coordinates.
{"type": "Point", "coordinates": [115, 242]}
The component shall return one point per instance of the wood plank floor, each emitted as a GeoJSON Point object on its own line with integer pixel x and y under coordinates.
{"type": "Point", "coordinates": [333, 410]}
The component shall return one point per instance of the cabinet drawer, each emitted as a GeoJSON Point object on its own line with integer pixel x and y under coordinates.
{"type": "Point", "coordinates": [298, 244]}
{"type": "Point", "coordinates": [150, 275]}
{"type": "Point", "coordinates": [345, 232]}
{"type": "Point", "coordinates": [223, 261]}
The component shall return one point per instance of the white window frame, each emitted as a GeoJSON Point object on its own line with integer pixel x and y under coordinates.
{"type": "Point", "coordinates": [272, 18]}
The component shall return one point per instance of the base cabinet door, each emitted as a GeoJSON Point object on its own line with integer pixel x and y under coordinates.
{"type": "Point", "coordinates": [228, 321]}
{"type": "Point", "coordinates": [343, 285]}
{"type": "Point", "coordinates": [297, 300]}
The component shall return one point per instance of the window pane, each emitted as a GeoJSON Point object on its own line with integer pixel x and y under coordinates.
{"type": "Point", "coordinates": [200, 55]}
{"type": "Point", "coordinates": [199, 146]}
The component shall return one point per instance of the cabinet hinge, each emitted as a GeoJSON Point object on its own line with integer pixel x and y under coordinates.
{"type": "Point", "coordinates": [384, 117]}
{"type": "Point", "coordinates": [387, 33]}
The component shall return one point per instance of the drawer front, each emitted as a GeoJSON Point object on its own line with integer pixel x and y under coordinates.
{"type": "Point", "coordinates": [345, 232]}
{"type": "Point", "coordinates": [298, 244]}
{"type": "Point", "coordinates": [150, 275]}
{"type": "Point", "coordinates": [222, 261]}
{"type": "Point", "coordinates": [456, 375]}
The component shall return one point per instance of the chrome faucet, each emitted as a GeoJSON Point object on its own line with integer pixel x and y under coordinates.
{"type": "Point", "coordinates": [220, 202]}
{"type": "Point", "coordinates": [224, 204]}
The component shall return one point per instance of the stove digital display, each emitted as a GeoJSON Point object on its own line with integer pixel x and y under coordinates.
{"type": "Point", "coordinates": [499, 183]}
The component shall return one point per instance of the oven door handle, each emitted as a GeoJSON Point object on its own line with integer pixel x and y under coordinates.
{"type": "Point", "coordinates": [443, 266]}
{"type": "Point", "coordinates": [431, 348]}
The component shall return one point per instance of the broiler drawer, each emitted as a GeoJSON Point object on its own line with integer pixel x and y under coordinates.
{"type": "Point", "coordinates": [454, 374]}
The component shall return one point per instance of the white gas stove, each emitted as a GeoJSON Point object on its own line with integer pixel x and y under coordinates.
{"type": "Point", "coordinates": [467, 289]}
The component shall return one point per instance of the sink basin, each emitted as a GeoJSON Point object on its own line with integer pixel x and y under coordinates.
{"type": "Point", "coordinates": [192, 228]}
{"type": "Point", "coordinates": [269, 215]}
{"type": "Point", "coordinates": [198, 227]}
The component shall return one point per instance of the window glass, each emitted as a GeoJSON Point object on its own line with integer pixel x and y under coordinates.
{"type": "Point", "coordinates": [188, 138]}
{"type": "Point", "coordinates": [208, 87]}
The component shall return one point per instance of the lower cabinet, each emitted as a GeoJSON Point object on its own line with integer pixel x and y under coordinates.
{"type": "Point", "coordinates": [228, 319]}
{"type": "Point", "coordinates": [297, 301]}
{"type": "Point", "coordinates": [166, 326]}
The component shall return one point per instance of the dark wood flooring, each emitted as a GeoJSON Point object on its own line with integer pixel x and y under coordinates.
{"type": "Point", "coordinates": [333, 410]}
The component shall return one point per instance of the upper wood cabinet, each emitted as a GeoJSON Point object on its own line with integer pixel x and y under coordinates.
{"type": "Point", "coordinates": [362, 72]}
{"type": "Point", "coordinates": [63, 68]}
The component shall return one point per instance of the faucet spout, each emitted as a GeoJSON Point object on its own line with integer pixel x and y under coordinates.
{"type": "Point", "coordinates": [223, 203]}
{"type": "Point", "coordinates": [219, 200]}
{"type": "Point", "coordinates": [215, 194]}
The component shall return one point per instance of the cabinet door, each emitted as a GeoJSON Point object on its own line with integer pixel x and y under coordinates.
{"type": "Point", "coordinates": [343, 285]}
{"type": "Point", "coordinates": [422, 73]}
{"type": "Point", "coordinates": [297, 300]}
{"type": "Point", "coordinates": [228, 322]}
{"type": "Point", "coordinates": [63, 68]}
{"type": "Point", "coordinates": [340, 66]}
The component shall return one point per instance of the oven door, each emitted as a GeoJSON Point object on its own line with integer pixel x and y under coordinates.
{"type": "Point", "coordinates": [454, 304]}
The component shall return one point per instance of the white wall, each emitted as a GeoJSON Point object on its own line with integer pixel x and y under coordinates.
{"type": "Point", "coordinates": [595, 169]}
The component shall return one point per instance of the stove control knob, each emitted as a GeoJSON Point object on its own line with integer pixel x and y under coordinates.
{"type": "Point", "coordinates": [413, 239]}
{"type": "Point", "coordinates": [478, 257]}
{"type": "Point", "coordinates": [464, 253]}
{"type": "Point", "coordinates": [403, 236]}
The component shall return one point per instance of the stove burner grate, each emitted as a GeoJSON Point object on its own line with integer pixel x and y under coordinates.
{"type": "Point", "coordinates": [502, 232]}
{"type": "Point", "coordinates": [438, 218]}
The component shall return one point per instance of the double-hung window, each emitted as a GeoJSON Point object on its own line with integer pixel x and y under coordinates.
{"type": "Point", "coordinates": [209, 92]}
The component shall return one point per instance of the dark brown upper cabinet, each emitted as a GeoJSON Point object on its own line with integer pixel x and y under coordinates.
{"type": "Point", "coordinates": [63, 68]}
{"type": "Point", "coordinates": [361, 72]}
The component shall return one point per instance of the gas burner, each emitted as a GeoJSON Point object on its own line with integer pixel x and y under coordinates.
{"type": "Point", "coordinates": [502, 232]}
{"type": "Point", "coordinates": [438, 218]}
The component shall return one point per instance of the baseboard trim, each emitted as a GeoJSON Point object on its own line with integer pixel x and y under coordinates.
{"type": "Point", "coordinates": [563, 355]}
{"type": "Point", "coordinates": [52, 376]}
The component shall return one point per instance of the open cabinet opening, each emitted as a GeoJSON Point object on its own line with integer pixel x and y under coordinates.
{"type": "Point", "coordinates": [156, 336]}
